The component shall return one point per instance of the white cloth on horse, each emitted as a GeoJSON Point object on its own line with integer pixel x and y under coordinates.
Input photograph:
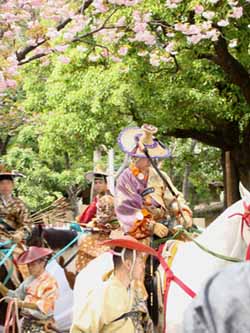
{"type": "Point", "coordinates": [223, 305]}
{"type": "Point", "coordinates": [64, 304]}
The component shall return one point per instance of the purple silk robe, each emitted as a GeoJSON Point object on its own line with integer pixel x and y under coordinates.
{"type": "Point", "coordinates": [128, 199]}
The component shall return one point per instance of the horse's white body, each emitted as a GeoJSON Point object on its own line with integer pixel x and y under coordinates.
{"type": "Point", "coordinates": [194, 266]}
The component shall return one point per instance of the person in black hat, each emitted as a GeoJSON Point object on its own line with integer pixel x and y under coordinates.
{"type": "Point", "coordinates": [14, 216]}
{"type": "Point", "coordinates": [99, 214]}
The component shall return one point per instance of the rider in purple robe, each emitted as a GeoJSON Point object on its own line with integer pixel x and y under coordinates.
{"type": "Point", "coordinates": [142, 199]}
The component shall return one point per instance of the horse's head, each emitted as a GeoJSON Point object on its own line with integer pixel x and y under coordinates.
{"type": "Point", "coordinates": [245, 215]}
{"type": "Point", "coordinates": [35, 238]}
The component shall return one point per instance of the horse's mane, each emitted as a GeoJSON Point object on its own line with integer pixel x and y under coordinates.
{"type": "Point", "coordinates": [54, 238]}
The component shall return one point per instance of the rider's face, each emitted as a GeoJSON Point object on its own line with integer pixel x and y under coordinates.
{"type": "Point", "coordinates": [6, 187]}
{"type": "Point", "coordinates": [36, 268]}
{"type": "Point", "coordinates": [143, 164]}
{"type": "Point", "coordinates": [100, 186]}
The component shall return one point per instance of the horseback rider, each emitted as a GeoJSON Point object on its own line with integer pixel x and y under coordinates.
{"type": "Point", "coordinates": [100, 214]}
{"type": "Point", "coordinates": [37, 294]}
{"type": "Point", "coordinates": [143, 201]}
{"type": "Point", "coordinates": [118, 304]}
{"type": "Point", "coordinates": [14, 216]}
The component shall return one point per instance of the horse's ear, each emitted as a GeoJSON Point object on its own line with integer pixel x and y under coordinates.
{"type": "Point", "coordinates": [244, 192]}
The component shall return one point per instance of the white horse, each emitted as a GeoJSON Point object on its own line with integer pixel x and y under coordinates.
{"type": "Point", "coordinates": [194, 266]}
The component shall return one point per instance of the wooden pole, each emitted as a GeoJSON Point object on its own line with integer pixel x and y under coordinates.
{"type": "Point", "coordinates": [96, 158]}
{"type": "Point", "coordinates": [111, 178]}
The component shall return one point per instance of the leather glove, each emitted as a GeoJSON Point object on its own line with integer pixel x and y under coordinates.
{"type": "Point", "coordinates": [160, 230]}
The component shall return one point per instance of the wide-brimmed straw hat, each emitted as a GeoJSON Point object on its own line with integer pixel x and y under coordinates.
{"type": "Point", "coordinates": [32, 254]}
{"type": "Point", "coordinates": [7, 174]}
{"type": "Point", "coordinates": [131, 243]}
{"type": "Point", "coordinates": [97, 173]}
{"type": "Point", "coordinates": [132, 140]}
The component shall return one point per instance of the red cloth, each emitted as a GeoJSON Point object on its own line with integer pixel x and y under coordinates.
{"type": "Point", "coordinates": [89, 212]}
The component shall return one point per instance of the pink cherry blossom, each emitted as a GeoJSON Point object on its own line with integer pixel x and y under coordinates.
{"type": "Point", "coordinates": [61, 48]}
{"type": "Point", "coordinates": [165, 59]}
{"type": "Point", "coordinates": [223, 23]}
{"type": "Point", "coordinates": [142, 53]}
{"type": "Point", "coordinates": [8, 34]}
{"type": "Point", "coordinates": [172, 3]}
{"type": "Point", "coordinates": [52, 33]}
{"type": "Point", "coordinates": [94, 57]}
{"type": "Point", "coordinates": [233, 43]}
{"type": "Point", "coordinates": [81, 48]}
{"type": "Point", "coordinates": [237, 12]}
{"type": "Point", "coordinates": [121, 22]}
{"type": "Point", "coordinates": [145, 37]}
{"type": "Point", "coordinates": [198, 9]}
{"type": "Point", "coordinates": [154, 60]}
{"type": "Point", "coordinates": [63, 59]}
{"type": "Point", "coordinates": [115, 59]}
{"type": "Point", "coordinates": [212, 34]}
{"type": "Point", "coordinates": [208, 15]}
{"type": "Point", "coordinates": [105, 53]}
{"type": "Point", "coordinates": [11, 83]}
{"type": "Point", "coordinates": [68, 36]}
{"type": "Point", "coordinates": [170, 47]}
{"type": "Point", "coordinates": [100, 6]}
{"type": "Point", "coordinates": [123, 50]}
{"type": "Point", "coordinates": [195, 39]}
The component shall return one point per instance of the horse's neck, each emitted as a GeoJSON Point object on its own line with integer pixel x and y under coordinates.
{"type": "Point", "coordinates": [223, 235]}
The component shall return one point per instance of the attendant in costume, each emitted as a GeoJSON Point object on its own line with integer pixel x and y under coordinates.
{"type": "Point", "coordinates": [37, 294]}
{"type": "Point", "coordinates": [99, 178]}
{"type": "Point", "coordinates": [99, 214]}
{"type": "Point", "coordinates": [142, 199]}
{"type": "Point", "coordinates": [118, 304]}
{"type": "Point", "coordinates": [14, 216]}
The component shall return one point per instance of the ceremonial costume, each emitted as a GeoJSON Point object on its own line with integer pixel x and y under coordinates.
{"type": "Point", "coordinates": [13, 212]}
{"type": "Point", "coordinates": [14, 218]}
{"type": "Point", "coordinates": [40, 291]}
{"type": "Point", "coordinates": [142, 199]}
{"type": "Point", "coordinates": [99, 214]}
{"type": "Point", "coordinates": [112, 307]}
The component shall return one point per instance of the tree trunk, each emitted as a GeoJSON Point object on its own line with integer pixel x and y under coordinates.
{"type": "Point", "coordinates": [236, 168]}
{"type": "Point", "coordinates": [4, 144]}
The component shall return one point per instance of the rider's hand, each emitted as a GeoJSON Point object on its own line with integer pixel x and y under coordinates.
{"type": "Point", "coordinates": [186, 220]}
{"type": "Point", "coordinates": [91, 224]}
{"type": "Point", "coordinates": [160, 230]}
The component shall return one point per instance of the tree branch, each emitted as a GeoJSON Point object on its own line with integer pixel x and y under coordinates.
{"type": "Point", "coordinates": [23, 53]}
{"type": "Point", "coordinates": [216, 138]}
{"type": "Point", "coordinates": [232, 67]}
